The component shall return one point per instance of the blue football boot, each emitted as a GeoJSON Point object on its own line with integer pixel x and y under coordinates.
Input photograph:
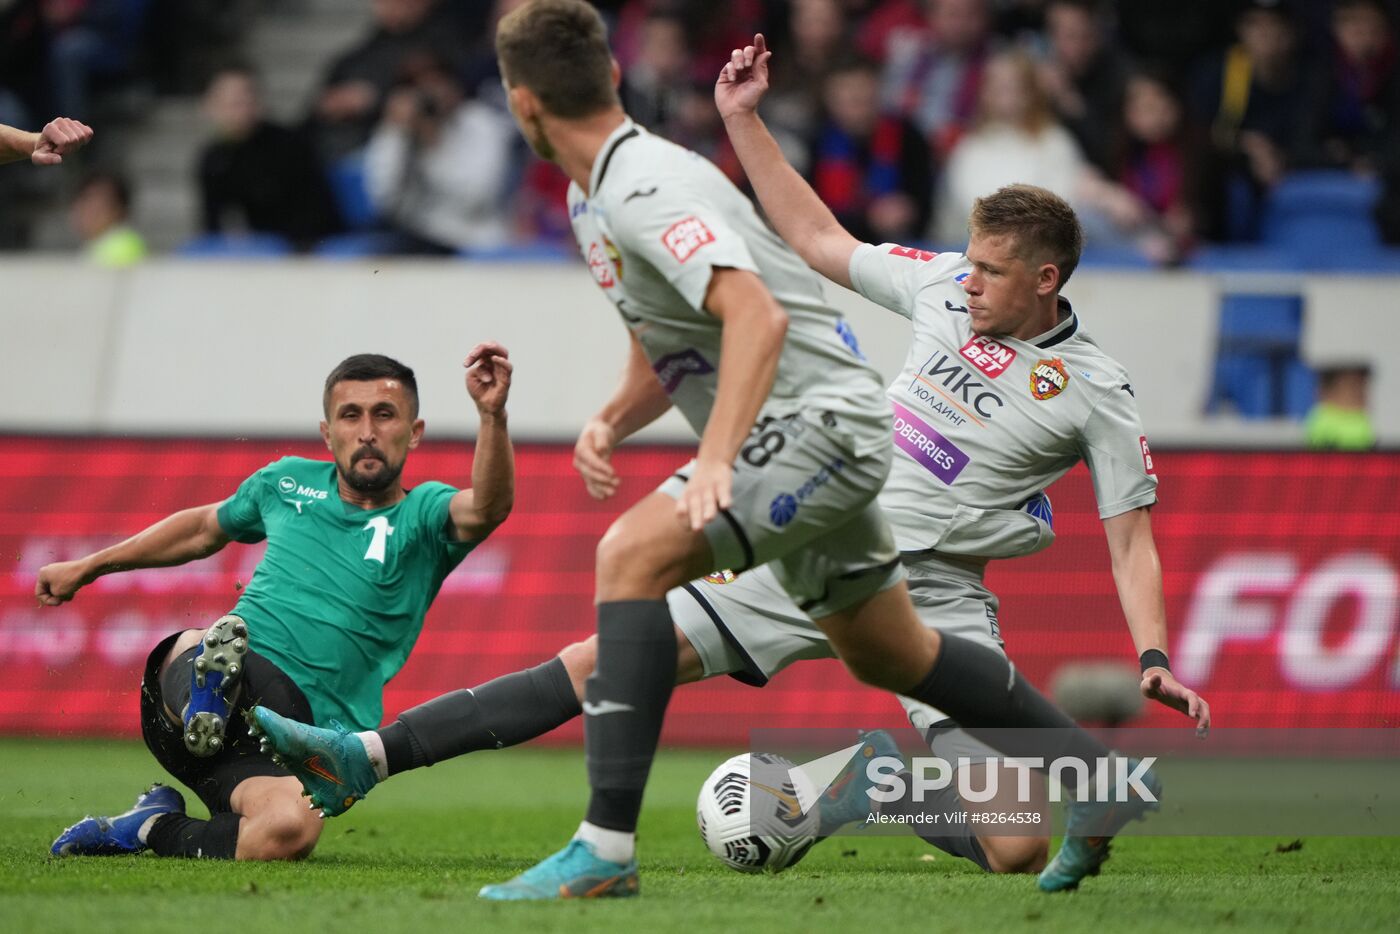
{"type": "Point", "coordinates": [117, 836]}
{"type": "Point", "coordinates": [573, 872]}
{"type": "Point", "coordinates": [847, 798]}
{"type": "Point", "coordinates": [218, 664]}
{"type": "Point", "coordinates": [1089, 830]}
{"type": "Point", "coordinates": [331, 765]}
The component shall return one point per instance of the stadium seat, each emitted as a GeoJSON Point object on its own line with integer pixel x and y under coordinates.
{"type": "Point", "coordinates": [347, 180]}
{"type": "Point", "coordinates": [1114, 257]}
{"type": "Point", "coordinates": [235, 246]}
{"type": "Point", "coordinates": [1324, 207]}
{"type": "Point", "coordinates": [1258, 369]}
{"type": "Point", "coordinates": [538, 251]}
{"type": "Point", "coordinates": [356, 245]}
{"type": "Point", "coordinates": [1244, 257]}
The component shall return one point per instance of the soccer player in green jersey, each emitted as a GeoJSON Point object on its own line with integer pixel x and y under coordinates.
{"type": "Point", "coordinates": [353, 561]}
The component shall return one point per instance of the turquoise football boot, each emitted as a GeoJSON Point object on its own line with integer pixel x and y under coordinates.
{"type": "Point", "coordinates": [1088, 832]}
{"type": "Point", "coordinates": [331, 764]}
{"type": "Point", "coordinates": [573, 872]}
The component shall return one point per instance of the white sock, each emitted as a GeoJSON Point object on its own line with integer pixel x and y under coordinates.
{"type": "Point", "coordinates": [374, 748]}
{"type": "Point", "coordinates": [615, 846]}
{"type": "Point", "coordinates": [147, 824]}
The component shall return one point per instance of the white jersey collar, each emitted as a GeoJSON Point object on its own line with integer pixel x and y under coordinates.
{"type": "Point", "coordinates": [625, 131]}
{"type": "Point", "coordinates": [1061, 332]}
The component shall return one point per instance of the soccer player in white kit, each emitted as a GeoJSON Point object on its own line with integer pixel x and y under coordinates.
{"type": "Point", "coordinates": [729, 325]}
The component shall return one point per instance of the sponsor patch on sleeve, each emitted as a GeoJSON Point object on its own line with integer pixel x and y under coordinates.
{"type": "Point", "coordinates": [685, 237]}
{"type": "Point", "coordinates": [1146, 455]}
{"type": "Point", "coordinates": [909, 252]}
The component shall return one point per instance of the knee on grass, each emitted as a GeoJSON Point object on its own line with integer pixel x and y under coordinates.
{"type": "Point", "coordinates": [285, 832]}
{"type": "Point", "coordinates": [1015, 854]}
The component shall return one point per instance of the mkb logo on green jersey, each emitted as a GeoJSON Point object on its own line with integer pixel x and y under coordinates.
{"type": "Point", "coordinates": [288, 486]}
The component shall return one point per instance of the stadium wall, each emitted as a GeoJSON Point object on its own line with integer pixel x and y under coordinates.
{"type": "Point", "coordinates": [185, 348]}
{"type": "Point", "coordinates": [1282, 586]}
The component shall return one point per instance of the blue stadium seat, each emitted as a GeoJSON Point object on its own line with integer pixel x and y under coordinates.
{"type": "Point", "coordinates": [1263, 323]}
{"type": "Point", "coordinates": [347, 180]}
{"type": "Point", "coordinates": [537, 251]}
{"type": "Point", "coordinates": [1308, 209]}
{"type": "Point", "coordinates": [1244, 257]}
{"type": "Point", "coordinates": [1258, 369]}
{"type": "Point", "coordinates": [235, 246]}
{"type": "Point", "coordinates": [357, 245]}
{"type": "Point", "coordinates": [1243, 385]}
{"type": "Point", "coordinates": [1114, 257]}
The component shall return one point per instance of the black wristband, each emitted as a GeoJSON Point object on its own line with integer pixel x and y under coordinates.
{"type": "Point", "coordinates": [1154, 658]}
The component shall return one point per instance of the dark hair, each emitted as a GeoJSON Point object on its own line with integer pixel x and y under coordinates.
{"type": "Point", "coordinates": [1044, 225]}
{"type": "Point", "coordinates": [115, 184]}
{"type": "Point", "coordinates": [559, 50]}
{"type": "Point", "coordinates": [364, 367]}
{"type": "Point", "coordinates": [849, 62]}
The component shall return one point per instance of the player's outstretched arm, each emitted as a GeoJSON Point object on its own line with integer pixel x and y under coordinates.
{"type": "Point", "coordinates": [638, 401]}
{"type": "Point", "coordinates": [792, 206]}
{"type": "Point", "coordinates": [47, 147]}
{"type": "Point", "coordinates": [176, 539]}
{"type": "Point", "coordinates": [1137, 572]}
{"type": "Point", "coordinates": [750, 344]}
{"type": "Point", "coordinates": [477, 511]}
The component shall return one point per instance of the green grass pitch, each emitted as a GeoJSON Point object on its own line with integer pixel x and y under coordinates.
{"type": "Point", "coordinates": [412, 857]}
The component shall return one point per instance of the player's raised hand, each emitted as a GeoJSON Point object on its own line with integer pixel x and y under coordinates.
{"type": "Point", "coordinates": [59, 137]}
{"type": "Point", "coordinates": [593, 458]}
{"type": "Point", "coordinates": [58, 582]}
{"type": "Point", "coordinates": [488, 377]}
{"type": "Point", "coordinates": [744, 79]}
{"type": "Point", "coordinates": [708, 491]}
{"type": "Point", "coordinates": [1158, 684]}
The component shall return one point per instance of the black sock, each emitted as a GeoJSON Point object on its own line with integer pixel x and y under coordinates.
{"type": "Point", "coordinates": [178, 835]}
{"type": "Point", "coordinates": [511, 709]}
{"type": "Point", "coordinates": [981, 690]}
{"type": "Point", "coordinates": [951, 832]}
{"type": "Point", "coordinates": [627, 694]}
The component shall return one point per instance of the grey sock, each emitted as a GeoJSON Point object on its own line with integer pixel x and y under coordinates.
{"type": "Point", "coordinates": [626, 703]}
{"type": "Point", "coordinates": [982, 691]}
{"type": "Point", "coordinates": [508, 710]}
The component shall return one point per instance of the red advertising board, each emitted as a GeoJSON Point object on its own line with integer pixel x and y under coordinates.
{"type": "Point", "coordinates": [1281, 569]}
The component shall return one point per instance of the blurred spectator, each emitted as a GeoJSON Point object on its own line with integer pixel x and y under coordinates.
{"type": "Point", "coordinates": [1339, 421]}
{"type": "Point", "coordinates": [653, 87]}
{"type": "Point", "coordinates": [22, 46]}
{"type": "Point", "coordinates": [1352, 93]}
{"type": "Point", "coordinates": [90, 39]}
{"type": "Point", "coordinates": [258, 176]}
{"type": "Point", "coordinates": [934, 79]}
{"type": "Point", "coordinates": [99, 215]}
{"type": "Point", "coordinates": [439, 166]}
{"type": "Point", "coordinates": [1015, 139]}
{"type": "Point", "coordinates": [878, 22]}
{"type": "Point", "coordinates": [874, 171]}
{"type": "Point", "coordinates": [348, 104]}
{"type": "Point", "coordinates": [816, 33]}
{"type": "Point", "coordinates": [1249, 96]}
{"type": "Point", "coordinates": [1154, 160]}
{"type": "Point", "coordinates": [1084, 76]}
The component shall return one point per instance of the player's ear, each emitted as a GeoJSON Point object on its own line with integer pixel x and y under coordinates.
{"type": "Point", "coordinates": [417, 435]}
{"type": "Point", "coordinates": [326, 434]}
{"type": "Point", "coordinates": [523, 103]}
{"type": "Point", "coordinates": [616, 73]}
{"type": "Point", "coordinates": [1048, 281]}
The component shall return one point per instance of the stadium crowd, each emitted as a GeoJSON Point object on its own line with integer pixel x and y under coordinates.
{"type": "Point", "coordinates": [1167, 123]}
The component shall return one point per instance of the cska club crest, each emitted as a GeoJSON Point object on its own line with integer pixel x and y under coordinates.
{"type": "Point", "coordinates": [1048, 378]}
{"type": "Point", "coordinates": [721, 577]}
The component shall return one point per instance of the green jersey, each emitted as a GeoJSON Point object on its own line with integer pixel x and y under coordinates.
{"type": "Point", "coordinates": [338, 600]}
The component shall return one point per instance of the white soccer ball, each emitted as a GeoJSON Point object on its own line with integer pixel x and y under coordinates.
{"type": "Point", "coordinates": [751, 813]}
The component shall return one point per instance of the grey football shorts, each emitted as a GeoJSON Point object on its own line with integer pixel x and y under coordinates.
{"type": "Point", "coordinates": [804, 505]}
{"type": "Point", "coordinates": [746, 626]}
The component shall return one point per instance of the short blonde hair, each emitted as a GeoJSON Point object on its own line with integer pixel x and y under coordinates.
{"type": "Point", "coordinates": [1044, 225]}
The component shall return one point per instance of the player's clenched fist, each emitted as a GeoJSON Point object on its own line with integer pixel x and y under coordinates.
{"type": "Point", "coordinates": [744, 79]}
{"type": "Point", "coordinates": [488, 377]}
{"type": "Point", "coordinates": [58, 582]}
{"type": "Point", "coordinates": [59, 137]}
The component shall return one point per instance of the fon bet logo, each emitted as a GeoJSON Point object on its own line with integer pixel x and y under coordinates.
{"type": "Point", "coordinates": [685, 237]}
{"type": "Point", "coordinates": [1048, 378]}
{"type": "Point", "coordinates": [909, 252]}
{"type": "Point", "coordinates": [988, 355]}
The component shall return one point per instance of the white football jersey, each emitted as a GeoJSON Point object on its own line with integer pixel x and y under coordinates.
{"type": "Point", "coordinates": [982, 425]}
{"type": "Point", "coordinates": [658, 219]}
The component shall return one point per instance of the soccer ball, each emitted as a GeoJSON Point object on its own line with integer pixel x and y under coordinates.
{"type": "Point", "coordinates": [750, 813]}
